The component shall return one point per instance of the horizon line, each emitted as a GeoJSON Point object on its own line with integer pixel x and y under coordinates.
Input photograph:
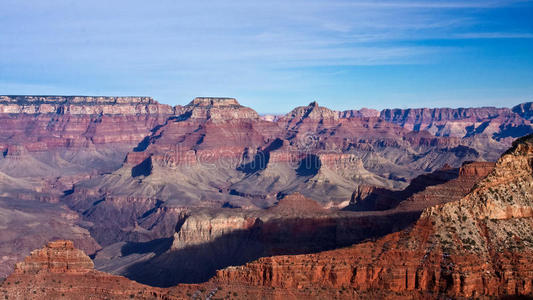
{"type": "Point", "coordinates": [263, 113]}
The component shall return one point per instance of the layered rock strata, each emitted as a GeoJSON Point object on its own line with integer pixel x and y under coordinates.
{"type": "Point", "coordinates": [479, 246]}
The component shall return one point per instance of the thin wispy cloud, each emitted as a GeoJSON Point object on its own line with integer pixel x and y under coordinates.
{"type": "Point", "coordinates": [494, 35]}
{"type": "Point", "coordinates": [174, 50]}
{"type": "Point", "coordinates": [431, 4]}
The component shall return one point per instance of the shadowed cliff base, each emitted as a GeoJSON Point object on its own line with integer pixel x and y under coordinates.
{"type": "Point", "coordinates": [479, 247]}
{"type": "Point", "coordinates": [295, 225]}
{"type": "Point", "coordinates": [198, 263]}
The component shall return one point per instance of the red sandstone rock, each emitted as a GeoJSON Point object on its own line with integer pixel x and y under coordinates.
{"type": "Point", "coordinates": [296, 205]}
{"type": "Point", "coordinates": [460, 249]}
{"type": "Point", "coordinates": [43, 123]}
{"type": "Point", "coordinates": [56, 257]}
{"type": "Point", "coordinates": [59, 271]}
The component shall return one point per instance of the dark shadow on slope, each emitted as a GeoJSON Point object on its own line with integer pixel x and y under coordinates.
{"type": "Point", "coordinates": [142, 169]}
{"type": "Point", "coordinates": [142, 145]}
{"type": "Point", "coordinates": [309, 166]}
{"type": "Point", "coordinates": [158, 246]}
{"type": "Point", "coordinates": [198, 263]}
{"type": "Point", "coordinates": [383, 199]}
{"type": "Point", "coordinates": [153, 209]}
{"type": "Point", "coordinates": [513, 131]}
{"type": "Point", "coordinates": [464, 151]}
{"type": "Point", "coordinates": [261, 159]}
{"type": "Point", "coordinates": [472, 130]}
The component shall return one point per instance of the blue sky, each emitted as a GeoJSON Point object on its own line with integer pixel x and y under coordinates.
{"type": "Point", "coordinates": [273, 55]}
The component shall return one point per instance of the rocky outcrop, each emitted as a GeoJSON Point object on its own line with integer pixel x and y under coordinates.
{"type": "Point", "coordinates": [208, 130]}
{"type": "Point", "coordinates": [459, 249]}
{"type": "Point", "coordinates": [295, 205]}
{"type": "Point", "coordinates": [56, 257]}
{"type": "Point", "coordinates": [218, 109]}
{"type": "Point", "coordinates": [28, 223]}
{"type": "Point", "coordinates": [60, 271]}
{"type": "Point", "coordinates": [311, 112]}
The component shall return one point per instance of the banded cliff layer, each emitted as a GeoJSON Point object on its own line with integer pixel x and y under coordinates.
{"type": "Point", "coordinates": [479, 246]}
{"type": "Point", "coordinates": [42, 123]}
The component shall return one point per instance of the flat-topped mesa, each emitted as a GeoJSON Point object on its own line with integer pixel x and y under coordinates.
{"type": "Point", "coordinates": [56, 257]}
{"type": "Point", "coordinates": [218, 109]}
{"type": "Point", "coordinates": [82, 105]}
{"type": "Point", "coordinates": [29, 99]}
{"type": "Point", "coordinates": [214, 101]}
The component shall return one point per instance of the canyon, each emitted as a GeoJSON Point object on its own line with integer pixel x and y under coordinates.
{"type": "Point", "coordinates": [174, 197]}
{"type": "Point", "coordinates": [478, 246]}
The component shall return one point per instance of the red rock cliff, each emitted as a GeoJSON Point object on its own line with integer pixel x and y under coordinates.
{"type": "Point", "coordinates": [42, 123]}
{"type": "Point", "coordinates": [59, 271]}
{"type": "Point", "coordinates": [480, 246]}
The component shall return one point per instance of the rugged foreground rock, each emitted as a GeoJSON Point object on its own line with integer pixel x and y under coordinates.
{"type": "Point", "coordinates": [60, 271]}
{"type": "Point", "coordinates": [479, 246]}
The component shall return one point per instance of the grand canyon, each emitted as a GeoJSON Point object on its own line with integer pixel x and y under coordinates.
{"type": "Point", "coordinates": [269, 150]}
{"type": "Point", "coordinates": [129, 198]}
